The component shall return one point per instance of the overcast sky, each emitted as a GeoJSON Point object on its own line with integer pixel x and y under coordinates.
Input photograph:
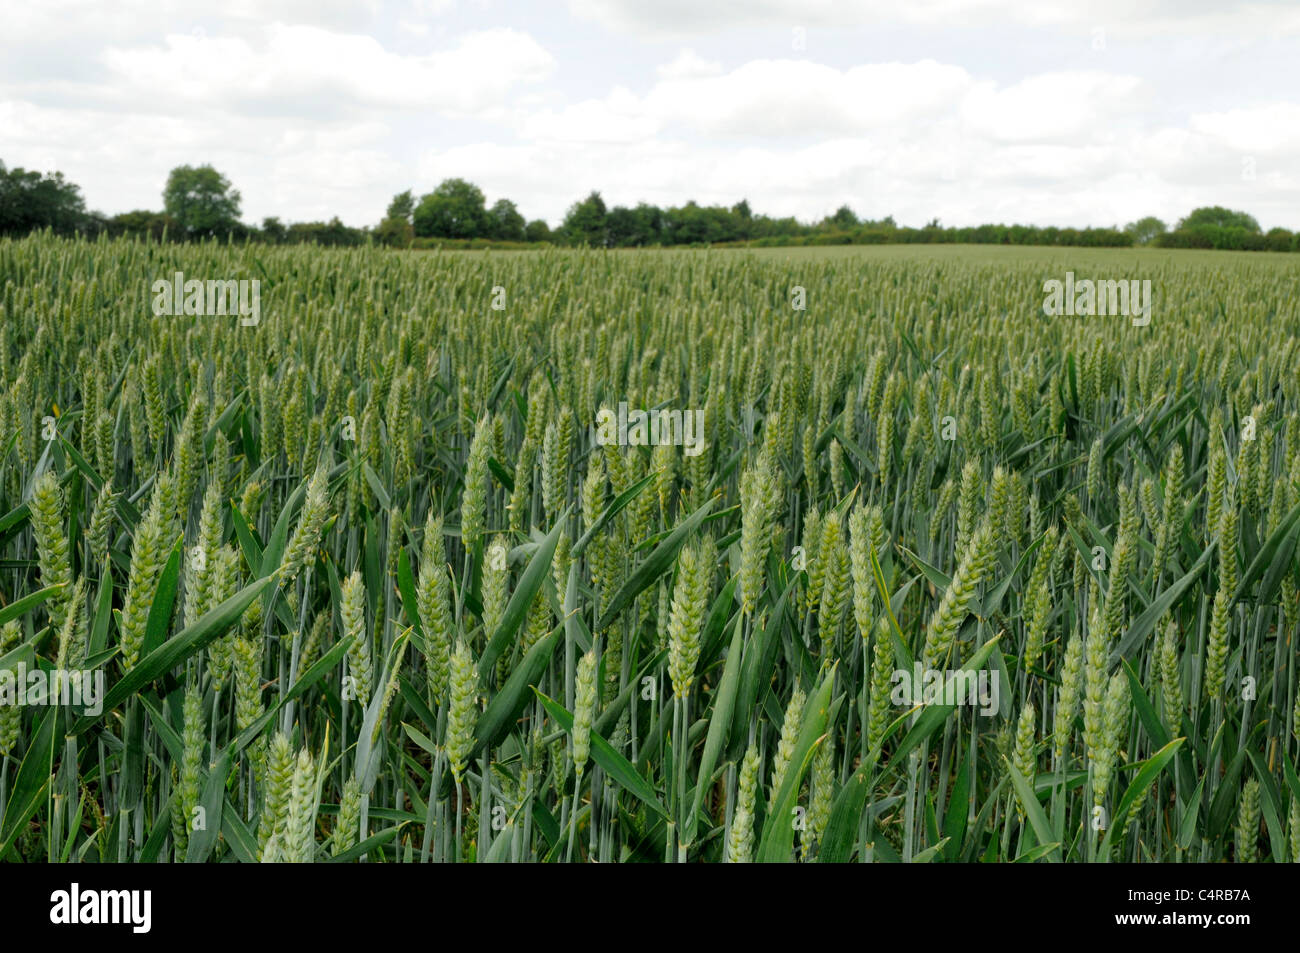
{"type": "Point", "coordinates": [1070, 112]}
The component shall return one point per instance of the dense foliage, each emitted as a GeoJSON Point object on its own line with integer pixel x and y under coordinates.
{"type": "Point", "coordinates": [362, 583]}
{"type": "Point", "coordinates": [200, 203]}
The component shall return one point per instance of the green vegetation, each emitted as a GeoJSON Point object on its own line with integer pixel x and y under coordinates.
{"type": "Point", "coordinates": [362, 585]}
{"type": "Point", "coordinates": [201, 203]}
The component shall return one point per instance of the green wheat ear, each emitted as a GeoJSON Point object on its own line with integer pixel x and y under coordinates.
{"type": "Point", "coordinates": [740, 835]}
{"type": "Point", "coordinates": [152, 545]}
{"type": "Point", "coordinates": [687, 615]}
{"type": "Point", "coordinates": [353, 613]}
{"type": "Point", "coordinates": [474, 501]}
{"type": "Point", "coordinates": [1094, 473]}
{"type": "Point", "coordinates": [1171, 680]}
{"type": "Point", "coordinates": [1067, 700]}
{"type": "Point", "coordinates": [277, 794]}
{"type": "Point", "coordinates": [1038, 600]}
{"type": "Point", "coordinates": [462, 709]}
{"type": "Point", "coordinates": [1247, 833]}
{"type": "Point", "coordinates": [882, 673]}
{"type": "Point", "coordinates": [299, 838]}
{"type": "Point", "coordinates": [1216, 650]}
{"type": "Point", "coordinates": [433, 598]}
{"type": "Point", "coordinates": [47, 517]}
{"type": "Point", "coordinates": [968, 504]}
{"type": "Point", "coordinates": [1024, 757]}
{"type": "Point", "coordinates": [247, 665]}
{"type": "Point", "coordinates": [192, 742]}
{"type": "Point", "coordinates": [756, 507]}
{"type": "Point", "coordinates": [864, 583]}
{"type": "Point", "coordinates": [10, 714]}
{"type": "Point", "coordinates": [101, 522]}
{"type": "Point", "coordinates": [1293, 828]}
{"type": "Point", "coordinates": [975, 565]}
{"type": "Point", "coordinates": [72, 636]}
{"type": "Point", "coordinates": [1095, 680]}
{"type": "Point", "coordinates": [306, 534]}
{"type": "Point", "coordinates": [349, 819]}
{"type": "Point", "coordinates": [496, 575]}
{"type": "Point", "coordinates": [812, 542]}
{"type": "Point", "coordinates": [584, 710]}
{"type": "Point", "coordinates": [1114, 731]}
{"type": "Point", "coordinates": [201, 564]}
{"type": "Point", "coordinates": [821, 793]}
{"type": "Point", "coordinates": [785, 746]}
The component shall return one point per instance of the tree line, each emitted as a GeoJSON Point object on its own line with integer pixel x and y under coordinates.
{"type": "Point", "coordinates": [200, 203]}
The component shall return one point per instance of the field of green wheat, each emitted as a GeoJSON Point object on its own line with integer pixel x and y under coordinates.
{"type": "Point", "coordinates": [916, 573]}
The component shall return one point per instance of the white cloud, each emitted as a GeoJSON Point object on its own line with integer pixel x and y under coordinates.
{"type": "Point", "coordinates": [797, 97]}
{"type": "Point", "coordinates": [682, 18]}
{"type": "Point", "coordinates": [688, 65]}
{"type": "Point", "coordinates": [302, 171]}
{"type": "Point", "coordinates": [619, 117]}
{"type": "Point", "coordinates": [915, 172]}
{"type": "Point", "coordinates": [293, 65]}
{"type": "Point", "coordinates": [1052, 107]}
{"type": "Point", "coordinates": [769, 99]}
{"type": "Point", "coordinates": [1267, 128]}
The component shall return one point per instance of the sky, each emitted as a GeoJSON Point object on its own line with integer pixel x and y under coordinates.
{"type": "Point", "coordinates": [1065, 112]}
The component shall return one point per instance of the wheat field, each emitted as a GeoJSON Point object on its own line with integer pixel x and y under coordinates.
{"type": "Point", "coordinates": [367, 581]}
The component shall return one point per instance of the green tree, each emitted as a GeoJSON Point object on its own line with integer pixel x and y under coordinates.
{"type": "Point", "coordinates": [584, 223]}
{"type": "Point", "coordinates": [1221, 217]}
{"type": "Point", "coordinates": [843, 219]}
{"type": "Point", "coordinates": [626, 227]}
{"type": "Point", "coordinates": [202, 201]}
{"type": "Point", "coordinates": [744, 218]}
{"type": "Point", "coordinates": [273, 230]}
{"type": "Point", "coordinates": [394, 231]}
{"type": "Point", "coordinates": [1279, 239]}
{"type": "Point", "coordinates": [401, 207]}
{"type": "Point", "coordinates": [333, 232]}
{"type": "Point", "coordinates": [455, 209]}
{"type": "Point", "coordinates": [1146, 230]}
{"type": "Point", "coordinates": [29, 200]}
{"type": "Point", "coordinates": [695, 224]}
{"type": "Point", "coordinates": [507, 223]}
{"type": "Point", "coordinates": [144, 222]}
{"type": "Point", "coordinates": [537, 231]}
{"type": "Point", "coordinates": [396, 228]}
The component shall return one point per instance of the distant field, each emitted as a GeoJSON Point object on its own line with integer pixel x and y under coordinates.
{"type": "Point", "coordinates": [999, 254]}
{"type": "Point", "coordinates": [390, 572]}
{"type": "Point", "coordinates": [1130, 260]}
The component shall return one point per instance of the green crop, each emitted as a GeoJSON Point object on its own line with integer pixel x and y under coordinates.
{"type": "Point", "coordinates": [364, 581]}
